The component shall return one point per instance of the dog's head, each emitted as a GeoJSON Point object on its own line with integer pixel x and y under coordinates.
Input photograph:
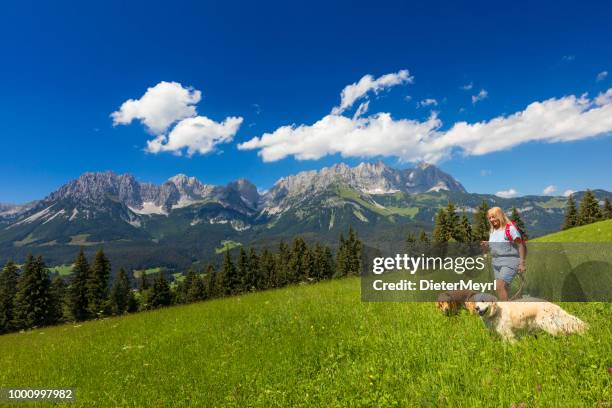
{"type": "Point", "coordinates": [447, 305]}
{"type": "Point", "coordinates": [485, 309]}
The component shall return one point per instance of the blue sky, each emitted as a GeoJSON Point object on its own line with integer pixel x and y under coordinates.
{"type": "Point", "coordinates": [67, 66]}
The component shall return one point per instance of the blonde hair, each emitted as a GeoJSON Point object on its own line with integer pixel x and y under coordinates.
{"type": "Point", "coordinates": [499, 215]}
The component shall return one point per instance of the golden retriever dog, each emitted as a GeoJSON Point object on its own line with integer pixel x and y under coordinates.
{"type": "Point", "coordinates": [529, 314]}
{"type": "Point", "coordinates": [452, 301]}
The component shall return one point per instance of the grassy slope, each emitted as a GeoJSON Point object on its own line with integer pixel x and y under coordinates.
{"type": "Point", "coordinates": [597, 232]}
{"type": "Point", "coordinates": [311, 345]}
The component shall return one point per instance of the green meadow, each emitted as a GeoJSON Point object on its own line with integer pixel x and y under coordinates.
{"type": "Point", "coordinates": [312, 345]}
{"type": "Point", "coordinates": [597, 232]}
{"type": "Point", "coordinates": [226, 245]}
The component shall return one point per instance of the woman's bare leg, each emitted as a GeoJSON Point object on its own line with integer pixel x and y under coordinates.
{"type": "Point", "coordinates": [501, 289]}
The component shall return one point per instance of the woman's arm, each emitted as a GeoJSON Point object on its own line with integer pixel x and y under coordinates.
{"type": "Point", "coordinates": [521, 249]}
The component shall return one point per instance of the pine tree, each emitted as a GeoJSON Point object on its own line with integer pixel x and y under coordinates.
{"type": "Point", "coordinates": [282, 264]}
{"type": "Point", "coordinates": [299, 261]}
{"type": "Point", "coordinates": [243, 269]}
{"type": "Point", "coordinates": [57, 300]}
{"type": "Point", "coordinates": [465, 230]}
{"type": "Point", "coordinates": [323, 263]}
{"type": "Point", "coordinates": [132, 304]}
{"type": "Point", "coordinates": [423, 245]}
{"type": "Point", "coordinates": [144, 291]}
{"type": "Point", "coordinates": [160, 292]}
{"type": "Point", "coordinates": [317, 263]}
{"type": "Point", "coordinates": [196, 290]}
{"type": "Point", "coordinates": [256, 279]}
{"type": "Point", "coordinates": [411, 241]}
{"type": "Point", "coordinates": [589, 209]}
{"type": "Point", "coordinates": [32, 301]}
{"type": "Point", "coordinates": [441, 231]}
{"type": "Point", "coordinates": [210, 285]}
{"type": "Point", "coordinates": [97, 285]}
{"type": "Point", "coordinates": [120, 294]}
{"type": "Point", "coordinates": [355, 248]}
{"type": "Point", "coordinates": [267, 270]}
{"type": "Point", "coordinates": [452, 223]}
{"type": "Point", "coordinates": [229, 276]}
{"type": "Point", "coordinates": [184, 286]}
{"type": "Point", "coordinates": [481, 227]}
{"type": "Point", "coordinates": [77, 290]}
{"type": "Point", "coordinates": [251, 276]}
{"type": "Point", "coordinates": [571, 214]}
{"type": "Point", "coordinates": [607, 209]}
{"type": "Point", "coordinates": [8, 288]}
{"type": "Point", "coordinates": [328, 267]}
{"type": "Point", "coordinates": [342, 258]}
{"type": "Point", "coordinates": [516, 217]}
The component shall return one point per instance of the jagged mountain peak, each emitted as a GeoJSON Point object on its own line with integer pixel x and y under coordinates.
{"type": "Point", "coordinates": [187, 189]}
{"type": "Point", "coordinates": [428, 177]}
{"type": "Point", "coordinates": [371, 178]}
{"type": "Point", "coordinates": [183, 179]}
{"type": "Point", "coordinates": [96, 186]}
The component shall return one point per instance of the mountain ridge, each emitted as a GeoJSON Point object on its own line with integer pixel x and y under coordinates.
{"type": "Point", "coordinates": [183, 220]}
{"type": "Point", "coordinates": [180, 190]}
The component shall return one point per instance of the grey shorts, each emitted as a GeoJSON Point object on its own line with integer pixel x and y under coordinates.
{"type": "Point", "coordinates": [505, 272]}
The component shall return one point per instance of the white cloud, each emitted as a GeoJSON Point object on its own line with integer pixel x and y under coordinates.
{"type": "Point", "coordinates": [352, 93]}
{"type": "Point", "coordinates": [160, 107]}
{"type": "Point", "coordinates": [549, 190]}
{"type": "Point", "coordinates": [467, 87]}
{"type": "Point", "coordinates": [168, 106]}
{"type": "Point", "coordinates": [507, 193]}
{"type": "Point", "coordinates": [569, 58]}
{"type": "Point", "coordinates": [604, 98]}
{"type": "Point", "coordinates": [376, 135]}
{"type": "Point", "coordinates": [407, 98]}
{"type": "Point", "coordinates": [363, 108]}
{"type": "Point", "coordinates": [483, 94]}
{"type": "Point", "coordinates": [568, 193]}
{"type": "Point", "coordinates": [197, 135]}
{"type": "Point", "coordinates": [485, 173]}
{"type": "Point", "coordinates": [552, 121]}
{"type": "Point", "coordinates": [427, 102]}
{"type": "Point", "coordinates": [601, 76]}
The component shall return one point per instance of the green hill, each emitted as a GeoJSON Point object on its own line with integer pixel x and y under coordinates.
{"type": "Point", "coordinates": [597, 232]}
{"type": "Point", "coordinates": [314, 345]}
{"type": "Point", "coordinates": [310, 345]}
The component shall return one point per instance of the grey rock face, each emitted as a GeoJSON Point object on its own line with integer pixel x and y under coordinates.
{"type": "Point", "coordinates": [95, 187]}
{"type": "Point", "coordinates": [427, 177]}
{"type": "Point", "coordinates": [90, 190]}
{"type": "Point", "coordinates": [370, 178]}
{"type": "Point", "coordinates": [247, 191]}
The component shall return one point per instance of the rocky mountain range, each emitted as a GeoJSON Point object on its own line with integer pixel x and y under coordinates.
{"type": "Point", "coordinates": [184, 220]}
{"type": "Point", "coordinates": [90, 189]}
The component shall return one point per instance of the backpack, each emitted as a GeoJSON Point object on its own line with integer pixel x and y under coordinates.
{"type": "Point", "coordinates": [509, 236]}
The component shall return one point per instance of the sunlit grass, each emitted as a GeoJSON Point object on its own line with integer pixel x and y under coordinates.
{"type": "Point", "coordinates": [311, 345]}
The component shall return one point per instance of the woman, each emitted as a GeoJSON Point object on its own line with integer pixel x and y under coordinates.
{"type": "Point", "coordinates": [508, 256]}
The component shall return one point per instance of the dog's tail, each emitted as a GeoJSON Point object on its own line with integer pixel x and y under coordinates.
{"type": "Point", "coordinates": [561, 322]}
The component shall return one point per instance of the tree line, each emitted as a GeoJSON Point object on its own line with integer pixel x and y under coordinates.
{"type": "Point", "coordinates": [450, 227]}
{"type": "Point", "coordinates": [589, 211]}
{"type": "Point", "coordinates": [30, 298]}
